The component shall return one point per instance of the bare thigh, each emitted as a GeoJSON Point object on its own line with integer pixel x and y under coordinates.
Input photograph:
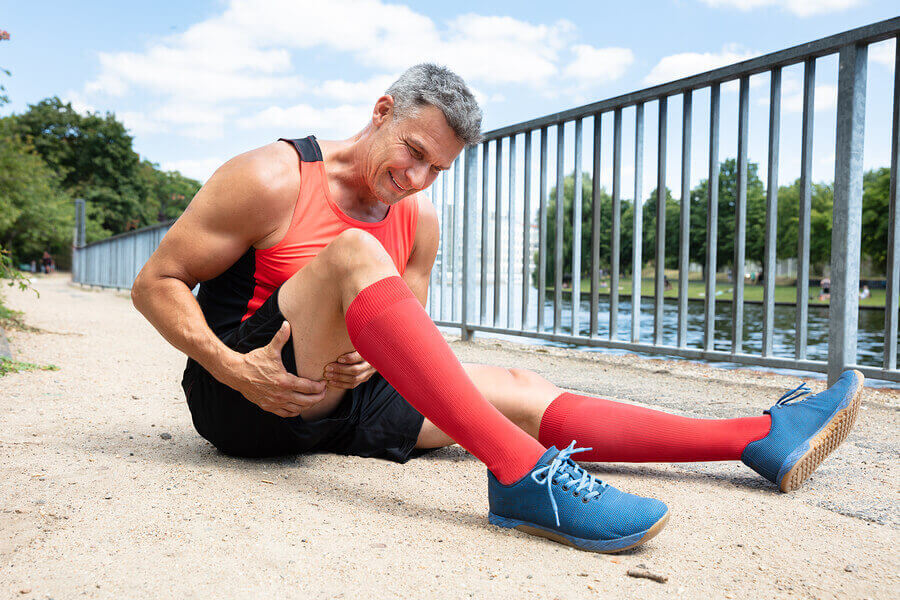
{"type": "Point", "coordinates": [315, 299]}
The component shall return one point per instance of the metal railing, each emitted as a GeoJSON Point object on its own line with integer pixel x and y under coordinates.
{"type": "Point", "coordinates": [474, 299]}
{"type": "Point", "coordinates": [459, 291]}
{"type": "Point", "coordinates": [116, 261]}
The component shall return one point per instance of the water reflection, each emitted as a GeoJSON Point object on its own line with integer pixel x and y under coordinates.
{"type": "Point", "coordinates": [446, 305]}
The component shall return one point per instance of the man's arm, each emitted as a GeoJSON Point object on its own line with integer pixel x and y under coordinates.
{"type": "Point", "coordinates": [239, 206]}
{"type": "Point", "coordinates": [424, 251]}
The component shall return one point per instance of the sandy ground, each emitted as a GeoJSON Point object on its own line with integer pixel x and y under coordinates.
{"type": "Point", "coordinates": [96, 502]}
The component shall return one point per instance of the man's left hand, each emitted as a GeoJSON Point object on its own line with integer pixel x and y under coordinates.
{"type": "Point", "coordinates": [348, 371]}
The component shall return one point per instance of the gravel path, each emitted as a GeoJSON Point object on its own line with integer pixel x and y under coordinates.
{"type": "Point", "coordinates": [109, 493]}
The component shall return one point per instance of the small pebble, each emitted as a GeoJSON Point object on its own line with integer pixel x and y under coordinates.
{"type": "Point", "coordinates": [850, 568]}
{"type": "Point", "coordinates": [166, 435]}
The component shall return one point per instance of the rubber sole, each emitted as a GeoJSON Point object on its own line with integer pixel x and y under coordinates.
{"type": "Point", "coordinates": [824, 441]}
{"type": "Point", "coordinates": [599, 546]}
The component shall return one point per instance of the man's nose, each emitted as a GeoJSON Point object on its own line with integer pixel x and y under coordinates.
{"type": "Point", "coordinates": [418, 176]}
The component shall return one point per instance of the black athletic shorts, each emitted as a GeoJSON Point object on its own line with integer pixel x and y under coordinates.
{"type": "Point", "coordinates": [372, 420]}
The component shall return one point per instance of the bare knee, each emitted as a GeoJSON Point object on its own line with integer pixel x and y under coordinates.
{"type": "Point", "coordinates": [530, 380]}
{"type": "Point", "coordinates": [353, 250]}
{"type": "Point", "coordinates": [352, 261]}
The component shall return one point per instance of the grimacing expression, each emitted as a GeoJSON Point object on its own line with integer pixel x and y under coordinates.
{"type": "Point", "coordinates": [412, 152]}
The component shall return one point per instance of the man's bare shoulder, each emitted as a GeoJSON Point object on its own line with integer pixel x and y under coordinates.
{"type": "Point", "coordinates": [251, 192]}
{"type": "Point", "coordinates": [427, 210]}
{"type": "Point", "coordinates": [269, 172]}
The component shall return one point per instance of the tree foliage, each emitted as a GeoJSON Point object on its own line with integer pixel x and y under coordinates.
{"type": "Point", "coordinates": [52, 154]}
{"type": "Point", "coordinates": [876, 186]}
{"type": "Point", "coordinates": [876, 207]}
{"type": "Point", "coordinates": [822, 199]}
{"type": "Point", "coordinates": [35, 212]}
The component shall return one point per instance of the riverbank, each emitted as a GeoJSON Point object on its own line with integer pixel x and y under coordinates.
{"type": "Point", "coordinates": [785, 295]}
{"type": "Point", "coordinates": [110, 493]}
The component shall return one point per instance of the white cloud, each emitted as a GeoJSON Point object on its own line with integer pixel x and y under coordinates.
{"type": "Point", "coordinates": [883, 53]}
{"type": "Point", "coordinates": [341, 120]}
{"type": "Point", "coordinates": [199, 169]}
{"type": "Point", "coordinates": [825, 99]}
{"type": "Point", "coordinates": [681, 65]}
{"type": "Point", "coordinates": [800, 8]}
{"type": "Point", "coordinates": [246, 56]}
{"type": "Point", "coordinates": [78, 102]}
{"type": "Point", "coordinates": [188, 120]}
{"type": "Point", "coordinates": [600, 65]}
{"type": "Point", "coordinates": [355, 91]}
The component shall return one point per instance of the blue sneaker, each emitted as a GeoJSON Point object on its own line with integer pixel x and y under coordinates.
{"type": "Point", "coordinates": [561, 501]}
{"type": "Point", "coordinates": [803, 433]}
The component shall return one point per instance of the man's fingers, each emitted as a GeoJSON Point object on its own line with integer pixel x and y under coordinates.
{"type": "Point", "coordinates": [341, 385]}
{"type": "Point", "coordinates": [293, 409]}
{"type": "Point", "coordinates": [284, 413]}
{"type": "Point", "coordinates": [281, 337]}
{"type": "Point", "coordinates": [303, 385]}
{"type": "Point", "coordinates": [347, 369]}
{"type": "Point", "coordinates": [350, 357]}
{"type": "Point", "coordinates": [305, 400]}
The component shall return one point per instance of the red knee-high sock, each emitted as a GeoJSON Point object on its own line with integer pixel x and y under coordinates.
{"type": "Point", "coordinates": [619, 432]}
{"type": "Point", "coordinates": [390, 329]}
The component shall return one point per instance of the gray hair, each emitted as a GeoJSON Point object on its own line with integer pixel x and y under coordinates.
{"type": "Point", "coordinates": [427, 84]}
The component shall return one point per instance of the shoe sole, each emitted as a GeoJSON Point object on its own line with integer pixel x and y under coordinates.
{"type": "Point", "coordinates": [600, 546]}
{"type": "Point", "coordinates": [824, 441]}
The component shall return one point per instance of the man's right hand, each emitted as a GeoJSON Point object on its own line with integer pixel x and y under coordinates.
{"type": "Point", "coordinates": [262, 379]}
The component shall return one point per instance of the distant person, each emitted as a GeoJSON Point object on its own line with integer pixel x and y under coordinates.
{"type": "Point", "coordinates": [666, 283]}
{"type": "Point", "coordinates": [309, 334]}
{"type": "Point", "coordinates": [864, 292]}
{"type": "Point", "coordinates": [825, 285]}
{"type": "Point", "coordinates": [46, 262]}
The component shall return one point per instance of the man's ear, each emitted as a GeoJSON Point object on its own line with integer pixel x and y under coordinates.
{"type": "Point", "coordinates": [383, 111]}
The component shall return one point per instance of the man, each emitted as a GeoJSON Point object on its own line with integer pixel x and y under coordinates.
{"type": "Point", "coordinates": [309, 334]}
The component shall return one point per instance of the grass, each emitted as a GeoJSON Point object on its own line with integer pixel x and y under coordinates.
{"type": "Point", "coordinates": [724, 291]}
{"type": "Point", "coordinates": [8, 366]}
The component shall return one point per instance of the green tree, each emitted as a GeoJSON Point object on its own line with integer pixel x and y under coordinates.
{"type": "Point", "coordinates": [93, 157]}
{"type": "Point", "coordinates": [821, 201]}
{"type": "Point", "coordinates": [673, 214]}
{"type": "Point", "coordinates": [168, 192]}
{"type": "Point", "coordinates": [35, 212]}
{"type": "Point", "coordinates": [876, 208]}
{"type": "Point", "coordinates": [756, 216]}
{"type": "Point", "coordinates": [568, 235]}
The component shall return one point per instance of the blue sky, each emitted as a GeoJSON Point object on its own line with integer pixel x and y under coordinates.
{"type": "Point", "coordinates": [198, 82]}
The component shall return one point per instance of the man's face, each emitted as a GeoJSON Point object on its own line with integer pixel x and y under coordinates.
{"type": "Point", "coordinates": [408, 154]}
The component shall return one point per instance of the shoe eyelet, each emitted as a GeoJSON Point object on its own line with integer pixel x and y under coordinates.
{"type": "Point", "coordinates": [575, 494]}
{"type": "Point", "coordinates": [585, 500]}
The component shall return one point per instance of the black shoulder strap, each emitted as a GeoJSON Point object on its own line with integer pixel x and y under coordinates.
{"type": "Point", "coordinates": [307, 148]}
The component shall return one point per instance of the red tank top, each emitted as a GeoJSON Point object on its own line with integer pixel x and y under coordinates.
{"type": "Point", "coordinates": [235, 295]}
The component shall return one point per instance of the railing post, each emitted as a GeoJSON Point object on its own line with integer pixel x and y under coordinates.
{"type": "Point", "coordinates": [847, 216]}
{"type": "Point", "coordinates": [809, 92]}
{"type": "Point", "coordinates": [893, 255]}
{"type": "Point", "coordinates": [80, 229]}
{"type": "Point", "coordinates": [471, 182]}
{"type": "Point", "coordinates": [740, 219]}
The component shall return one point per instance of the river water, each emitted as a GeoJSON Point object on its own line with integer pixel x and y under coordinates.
{"type": "Point", "coordinates": [870, 329]}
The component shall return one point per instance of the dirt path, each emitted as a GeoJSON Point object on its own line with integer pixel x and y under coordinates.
{"type": "Point", "coordinates": [96, 503]}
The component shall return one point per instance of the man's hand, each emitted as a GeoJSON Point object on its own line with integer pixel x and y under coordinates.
{"type": "Point", "coordinates": [263, 380]}
{"type": "Point", "coordinates": [348, 371]}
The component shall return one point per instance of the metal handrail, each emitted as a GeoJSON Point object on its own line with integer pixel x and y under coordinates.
{"type": "Point", "coordinates": [475, 215]}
